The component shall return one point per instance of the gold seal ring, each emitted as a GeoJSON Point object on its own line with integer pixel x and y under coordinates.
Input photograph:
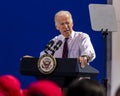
{"type": "Point", "coordinates": [46, 64]}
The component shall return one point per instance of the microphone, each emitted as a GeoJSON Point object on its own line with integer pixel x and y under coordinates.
{"type": "Point", "coordinates": [56, 47]}
{"type": "Point", "coordinates": [48, 46]}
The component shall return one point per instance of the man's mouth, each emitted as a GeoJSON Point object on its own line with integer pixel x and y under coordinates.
{"type": "Point", "coordinates": [66, 30]}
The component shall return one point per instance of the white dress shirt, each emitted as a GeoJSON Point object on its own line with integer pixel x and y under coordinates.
{"type": "Point", "coordinates": [79, 44]}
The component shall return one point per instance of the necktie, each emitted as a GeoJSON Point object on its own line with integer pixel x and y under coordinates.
{"type": "Point", "coordinates": [65, 49]}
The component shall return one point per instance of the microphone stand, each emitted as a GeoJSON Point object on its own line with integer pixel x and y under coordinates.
{"type": "Point", "coordinates": [104, 80]}
{"type": "Point", "coordinates": [53, 51]}
{"type": "Point", "coordinates": [56, 47]}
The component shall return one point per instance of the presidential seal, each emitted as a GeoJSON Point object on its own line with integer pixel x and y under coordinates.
{"type": "Point", "coordinates": [46, 64]}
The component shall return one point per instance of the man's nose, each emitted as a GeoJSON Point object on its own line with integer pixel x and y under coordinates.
{"type": "Point", "coordinates": [65, 25]}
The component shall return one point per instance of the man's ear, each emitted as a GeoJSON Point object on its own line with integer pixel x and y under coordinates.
{"type": "Point", "coordinates": [57, 27]}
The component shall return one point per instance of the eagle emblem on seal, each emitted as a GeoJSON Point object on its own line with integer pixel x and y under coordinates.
{"type": "Point", "coordinates": [46, 64]}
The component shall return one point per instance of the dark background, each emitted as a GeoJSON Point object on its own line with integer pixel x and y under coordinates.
{"type": "Point", "coordinates": [26, 26]}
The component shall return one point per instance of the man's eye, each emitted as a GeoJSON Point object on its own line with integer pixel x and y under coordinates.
{"type": "Point", "coordinates": [67, 22]}
{"type": "Point", "coordinates": [62, 24]}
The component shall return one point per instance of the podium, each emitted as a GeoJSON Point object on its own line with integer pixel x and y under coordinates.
{"type": "Point", "coordinates": [67, 69]}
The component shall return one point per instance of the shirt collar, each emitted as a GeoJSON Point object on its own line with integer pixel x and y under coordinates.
{"type": "Point", "coordinates": [71, 36]}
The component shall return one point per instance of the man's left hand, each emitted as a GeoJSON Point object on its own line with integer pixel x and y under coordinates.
{"type": "Point", "coordinates": [83, 61]}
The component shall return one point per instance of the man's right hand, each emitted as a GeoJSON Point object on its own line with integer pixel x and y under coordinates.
{"type": "Point", "coordinates": [27, 56]}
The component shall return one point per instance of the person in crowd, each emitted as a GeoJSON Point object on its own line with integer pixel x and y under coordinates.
{"type": "Point", "coordinates": [85, 87]}
{"type": "Point", "coordinates": [44, 88]}
{"type": "Point", "coordinates": [9, 86]}
{"type": "Point", "coordinates": [117, 93]}
{"type": "Point", "coordinates": [75, 44]}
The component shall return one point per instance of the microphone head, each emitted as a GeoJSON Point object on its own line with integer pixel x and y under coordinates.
{"type": "Point", "coordinates": [58, 44]}
{"type": "Point", "coordinates": [49, 45]}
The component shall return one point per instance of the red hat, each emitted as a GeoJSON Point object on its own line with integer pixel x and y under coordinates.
{"type": "Point", "coordinates": [44, 87]}
{"type": "Point", "coordinates": [24, 92]}
{"type": "Point", "coordinates": [2, 94]}
{"type": "Point", "coordinates": [10, 84]}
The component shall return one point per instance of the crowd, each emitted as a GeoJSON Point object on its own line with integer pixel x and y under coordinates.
{"type": "Point", "coordinates": [11, 86]}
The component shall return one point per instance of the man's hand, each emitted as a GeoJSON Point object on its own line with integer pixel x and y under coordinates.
{"type": "Point", "coordinates": [83, 61]}
{"type": "Point", "coordinates": [26, 56]}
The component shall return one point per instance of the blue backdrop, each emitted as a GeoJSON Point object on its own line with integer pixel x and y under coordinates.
{"type": "Point", "coordinates": [26, 26]}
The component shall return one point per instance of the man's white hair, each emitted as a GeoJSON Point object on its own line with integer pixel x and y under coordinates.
{"type": "Point", "coordinates": [62, 13]}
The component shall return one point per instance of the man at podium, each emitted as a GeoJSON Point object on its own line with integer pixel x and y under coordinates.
{"type": "Point", "coordinates": [70, 43]}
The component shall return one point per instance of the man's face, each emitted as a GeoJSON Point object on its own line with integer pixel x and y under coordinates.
{"type": "Point", "coordinates": [64, 25]}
